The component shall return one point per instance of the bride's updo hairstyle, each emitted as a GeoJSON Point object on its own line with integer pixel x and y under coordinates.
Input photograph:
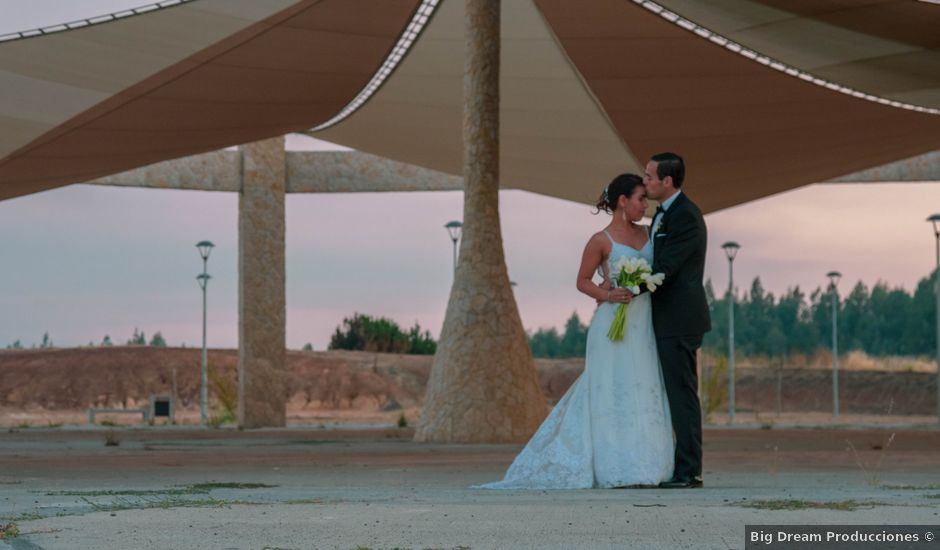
{"type": "Point", "coordinates": [622, 185]}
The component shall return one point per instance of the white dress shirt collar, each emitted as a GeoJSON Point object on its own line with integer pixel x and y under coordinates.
{"type": "Point", "coordinates": [668, 202]}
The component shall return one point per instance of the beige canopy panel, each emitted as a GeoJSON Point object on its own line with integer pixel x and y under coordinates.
{"type": "Point", "coordinates": [554, 137]}
{"type": "Point", "coordinates": [193, 77]}
{"type": "Point", "coordinates": [760, 96]}
{"type": "Point", "coordinates": [747, 130]}
{"type": "Point", "coordinates": [593, 88]}
{"type": "Point", "coordinates": [886, 47]}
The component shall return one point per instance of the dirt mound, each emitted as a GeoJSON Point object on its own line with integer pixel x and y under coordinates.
{"type": "Point", "coordinates": [126, 376]}
{"type": "Point", "coordinates": [860, 391]}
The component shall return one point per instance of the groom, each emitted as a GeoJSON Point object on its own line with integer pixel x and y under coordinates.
{"type": "Point", "coordinates": [680, 310]}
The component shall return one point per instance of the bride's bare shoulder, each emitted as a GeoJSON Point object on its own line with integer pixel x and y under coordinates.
{"type": "Point", "coordinates": [598, 238]}
{"type": "Point", "coordinates": [598, 243]}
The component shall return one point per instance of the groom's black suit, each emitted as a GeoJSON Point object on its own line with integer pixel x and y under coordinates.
{"type": "Point", "coordinates": [680, 319]}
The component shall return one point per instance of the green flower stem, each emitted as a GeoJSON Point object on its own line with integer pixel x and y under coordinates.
{"type": "Point", "coordinates": [618, 326]}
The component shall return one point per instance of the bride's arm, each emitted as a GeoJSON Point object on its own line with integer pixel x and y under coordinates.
{"type": "Point", "coordinates": [592, 257]}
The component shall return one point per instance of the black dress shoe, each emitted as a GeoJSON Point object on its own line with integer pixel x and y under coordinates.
{"type": "Point", "coordinates": [682, 483]}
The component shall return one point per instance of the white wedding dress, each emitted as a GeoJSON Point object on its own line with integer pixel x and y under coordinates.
{"type": "Point", "coordinates": [612, 427]}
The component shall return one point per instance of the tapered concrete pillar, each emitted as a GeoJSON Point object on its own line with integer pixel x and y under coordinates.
{"type": "Point", "coordinates": [262, 359]}
{"type": "Point", "coordinates": [483, 386]}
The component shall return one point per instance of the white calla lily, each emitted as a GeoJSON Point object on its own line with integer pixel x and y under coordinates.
{"type": "Point", "coordinates": [630, 274]}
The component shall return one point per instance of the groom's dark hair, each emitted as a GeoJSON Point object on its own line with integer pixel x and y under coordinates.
{"type": "Point", "coordinates": [672, 165]}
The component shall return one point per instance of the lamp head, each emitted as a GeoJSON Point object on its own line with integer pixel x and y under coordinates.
{"type": "Point", "coordinates": [935, 220]}
{"type": "Point", "coordinates": [205, 248]}
{"type": "Point", "coordinates": [834, 278]}
{"type": "Point", "coordinates": [731, 249]}
{"type": "Point", "coordinates": [203, 278]}
{"type": "Point", "coordinates": [454, 228]}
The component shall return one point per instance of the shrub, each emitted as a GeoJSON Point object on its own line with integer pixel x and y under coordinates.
{"type": "Point", "coordinates": [365, 333]}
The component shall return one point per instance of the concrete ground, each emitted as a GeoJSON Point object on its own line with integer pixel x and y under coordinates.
{"type": "Point", "coordinates": [373, 488]}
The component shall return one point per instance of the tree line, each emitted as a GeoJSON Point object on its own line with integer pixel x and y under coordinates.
{"type": "Point", "coordinates": [138, 339]}
{"type": "Point", "coordinates": [880, 320]}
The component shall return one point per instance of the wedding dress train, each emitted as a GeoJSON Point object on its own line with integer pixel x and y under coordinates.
{"type": "Point", "coordinates": [612, 427]}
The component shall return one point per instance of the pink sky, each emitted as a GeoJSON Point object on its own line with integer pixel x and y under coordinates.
{"type": "Point", "coordinates": [85, 261]}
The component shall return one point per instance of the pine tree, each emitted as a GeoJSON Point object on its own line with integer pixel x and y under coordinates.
{"type": "Point", "coordinates": [138, 339]}
{"type": "Point", "coordinates": [157, 340]}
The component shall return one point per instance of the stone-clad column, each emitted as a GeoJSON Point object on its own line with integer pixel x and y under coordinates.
{"type": "Point", "coordinates": [483, 386]}
{"type": "Point", "coordinates": [262, 359]}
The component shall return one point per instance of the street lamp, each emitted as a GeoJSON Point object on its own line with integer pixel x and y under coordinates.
{"type": "Point", "coordinates": [834, 277]}
{"type": "Point", "coordinates": [935, 219]}
{"type": "Point", "coordinates": [731, 251]}
{"type": "Point", "coordinates": [205, 248]}
{"type": "Point", "coordinates": [454, 228]}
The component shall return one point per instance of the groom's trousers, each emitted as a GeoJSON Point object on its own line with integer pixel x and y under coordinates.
{"type": "Point", "coordinates": [678, 358]}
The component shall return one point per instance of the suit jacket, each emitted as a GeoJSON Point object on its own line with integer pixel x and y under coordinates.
{"type": "Point", "coordinates": [679, 305]}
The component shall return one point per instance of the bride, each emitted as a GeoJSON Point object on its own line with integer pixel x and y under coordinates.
{"type": "Point", "coordinates": [612, 427]}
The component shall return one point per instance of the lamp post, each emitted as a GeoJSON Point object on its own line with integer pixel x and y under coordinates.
{"type": "Point", "coordinates": [731, 251]}
{"type": "Point", "coordinates": [205, 248]}
{"type": "Point", "coordinates": [454, 228]}
{"type": "Point", "coordinates": [834, 277]}
{"type": "Point", "coordinates": [935, 220]}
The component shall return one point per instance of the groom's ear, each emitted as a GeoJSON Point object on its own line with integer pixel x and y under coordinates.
{"type": "Point", "coordinates": [667, 181]}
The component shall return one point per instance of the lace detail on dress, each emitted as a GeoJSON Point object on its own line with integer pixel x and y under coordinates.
{"type": "Point", "coordinates": [612, 427]}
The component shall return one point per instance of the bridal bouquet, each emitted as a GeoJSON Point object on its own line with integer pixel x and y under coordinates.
{"type": "Point", "coordinates": [630, 274]}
